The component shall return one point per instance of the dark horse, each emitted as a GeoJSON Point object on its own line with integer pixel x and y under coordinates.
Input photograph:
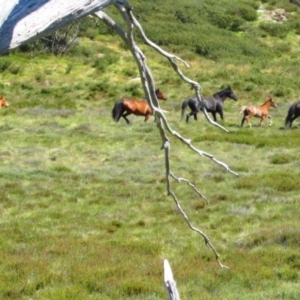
{"type": "Point", "coordinates": [127, 106]}
{"type": "Point", "coordinates": [293, 113]}
{"type": "Point", "coordinates": [213, 104]}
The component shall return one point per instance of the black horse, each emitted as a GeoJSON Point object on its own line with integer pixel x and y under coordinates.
{"type": "Point", "coordinates": [293, 113]}
{"type": "Point", "coordinates": [213, 104]}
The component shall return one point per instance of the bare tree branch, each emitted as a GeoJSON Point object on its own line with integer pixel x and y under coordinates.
{"type": "Point", "coordinates": [23, 21]}
{"type": "Point", "coordinates": [161, 121]}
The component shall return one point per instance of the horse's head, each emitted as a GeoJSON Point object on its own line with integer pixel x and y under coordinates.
{"type": "Point", "coordinates": [3, 102]}
{"type": "Point", "coordinates": [160, 95]}
{"type": "Point", "coordinates": [232, 95]}
{"type": "Point", "coordinates": [227, 92]}
{"type": "Point", "coordinates": [272, 102]}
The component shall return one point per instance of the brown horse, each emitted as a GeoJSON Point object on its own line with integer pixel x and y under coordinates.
{"type": "Point", "coordinates": [3, 102]}
{"type": "Point", "coordinates": [127, 106]}
{"type": "Point", "coordinates": [261, 112]}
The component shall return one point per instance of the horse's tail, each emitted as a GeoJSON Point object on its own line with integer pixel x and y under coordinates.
{"type": "Point", "coordinates": [117, 110]}
{"type": "Point", "coordinates": [183, 106]}
{"type": "Point", "coordinates": [286, 120]}
{"type": "Point", "coordinates": [242, 109]}
{"type": "Point", "coordinates": [289, 114]}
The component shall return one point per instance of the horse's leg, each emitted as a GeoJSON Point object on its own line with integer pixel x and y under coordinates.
{"type": "Point", "coordinates": [297, 115]}
{"type": "Point", "coordinates": [192, 113]}
{"type": "Point", "coordinates": [271, 122]}
{"type": "Point", "coordinates": [147, 117]}
{"type": "Point", "coordinates": [214, 116]}
{"type": "Point", "coordinates": [125, 115]}
{"type": "Point", "coordinates": [247, 119]}
{"type": "Point", "coordinates": [221, 114]}
{"type": "Point", "coordinates": [187, 118]}
{"type": "Point", "coordinates": [262, 120]}
{"type": "Point", "coordinates": [290, 121]}
{"type": "Point", "coordinates": [127, 121]}
{"type": "Point", "coordinates": [242, 122]}
{"type": "Point", "coordinates": [245, 113]}
{"type": "Point", "coordinates": [293, 119]}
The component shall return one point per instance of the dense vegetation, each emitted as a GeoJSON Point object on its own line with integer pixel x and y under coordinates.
{"type": "Point", "coordinates": [84, 210]}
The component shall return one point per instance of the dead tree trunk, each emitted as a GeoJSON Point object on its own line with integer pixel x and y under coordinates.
{"type": "Point", "coordinates": [24, 20]}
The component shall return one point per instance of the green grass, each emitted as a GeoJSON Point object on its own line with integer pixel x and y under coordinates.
{"type": "Point", "coordinates": [84, 210]}
{"type": "Point", "coordinates": [84, 207]}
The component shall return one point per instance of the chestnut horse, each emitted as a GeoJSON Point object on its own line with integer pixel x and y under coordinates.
{"type": "Point", "coordinates": [293, 113]}
{"type": "Point", "coordinates": [127, 106]}
{"type": "Point", "coordinates": [261, 112]}
{"type": "Point", "coordinates": [3, 102]}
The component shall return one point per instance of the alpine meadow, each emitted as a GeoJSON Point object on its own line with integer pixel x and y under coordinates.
{"type": "Point", "coordinates": [85, 211]}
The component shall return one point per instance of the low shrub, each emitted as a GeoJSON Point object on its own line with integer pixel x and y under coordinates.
{"type": "Point", "coordinates": [280, 159]}
{"type": "Point", "coordinates": [134, 90]}
{"type": "Point", "coordinates": [14, 68]}
{"type": "Point", "coordinates": [101, 63]}
{"type": "Point", "coordinates": [5, 62]}
{"type": "Point", "coordinates": [275, 29]}
{"type": "Point", "coordinates": [279, 181]}
{"type": "Point", "coordinates": [82, 50]}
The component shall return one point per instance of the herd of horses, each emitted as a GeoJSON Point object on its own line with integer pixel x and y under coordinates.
{"type": "Point", "coordinates": [213, 104]}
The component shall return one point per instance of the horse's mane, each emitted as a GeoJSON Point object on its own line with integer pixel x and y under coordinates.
{"type": "Point", "coordinates": [221, 92]}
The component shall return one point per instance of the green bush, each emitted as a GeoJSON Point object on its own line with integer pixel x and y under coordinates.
{"type": "Point", "coordinates": [91, 27]}
{"type": "Point", "coordinates": [246, 12]}
{"type": "Point", "coordinates": [101, 63]}
{"type": "Point", "coordinates": [134, 90]}
{"type": "Point", "coordinates": [289, 6]}
{"type": "Point", "coordinates": [275, 29]}
{"type": "Point", "coordinates": [82, 50]}
{"type": "Point", "coordinates": [5, 62]}
{"type": "Point", "coordinates": [212, 29]}
{"type": "Point", "coordinates": [225, 21]}
{"type": "Point", "coordinates": [14, 68]}
{"type": "Point", "coordinates": [281, 159]}
{"type": "Point", "coordinates": [130, 72]}
{"type": "Point", "coordinates": [294, 24]}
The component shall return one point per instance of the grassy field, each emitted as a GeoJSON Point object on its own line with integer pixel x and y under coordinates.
{"type": "Point", "coordinates": [84, 208]}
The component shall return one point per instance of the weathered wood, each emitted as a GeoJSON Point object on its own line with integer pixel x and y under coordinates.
{"type": "Point", "coordinates": [170, 283]}
{"type": "Point", "coordinates": [24, 20]}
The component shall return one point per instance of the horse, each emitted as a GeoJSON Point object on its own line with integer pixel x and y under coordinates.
{"type": "Point", "coordinates": [261, 112]}
{"type": "Point", "coordinates": [128, 106]}
{"type": "Point", "coordinates": [3, 102]}
{"type": "Point", "coordinates": [213, 104]}
{"type": "Point", "coordinates": [293, 113]}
